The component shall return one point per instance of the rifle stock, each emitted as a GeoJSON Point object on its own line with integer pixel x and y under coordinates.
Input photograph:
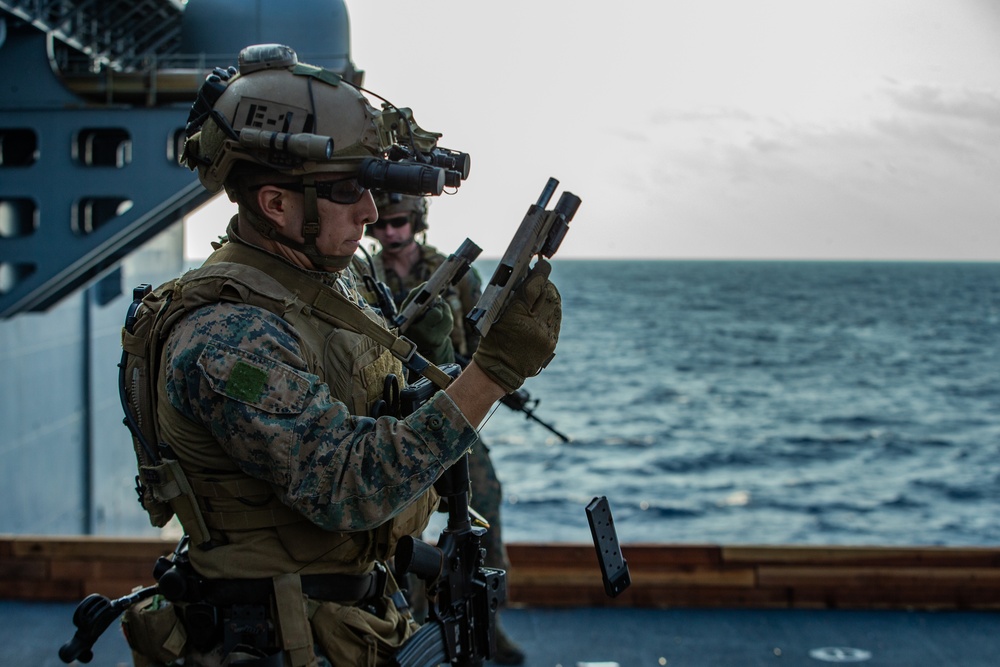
{"type": "Point", "coordinates": [541, 233]}
{"type": "Point", "coordinates": [446, 275]}
{"type": "Point", "coordinates": [92, 617]}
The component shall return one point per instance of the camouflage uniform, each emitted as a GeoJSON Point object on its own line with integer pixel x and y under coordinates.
{"type": "Point", "coordinates": [487, 492]}
{"type": "Point", "coordinates": [273, 403]}
{"type": "Point", "coordinates": [461, 299]}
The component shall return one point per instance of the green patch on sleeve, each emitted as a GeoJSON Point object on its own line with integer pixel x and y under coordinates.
{"type": "Point", "coordinates": [246, 382]}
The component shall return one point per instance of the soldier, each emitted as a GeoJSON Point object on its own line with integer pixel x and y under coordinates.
{"type": "Point", "coordinates": [406, 260]}
{"type": "Point", "coordinates": [292, 495]}
{"type": "Point", "coordinates": [403, 264]}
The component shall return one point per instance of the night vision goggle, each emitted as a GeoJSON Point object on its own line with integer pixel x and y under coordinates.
{"type": "Point", "coordinates": [405, 176]}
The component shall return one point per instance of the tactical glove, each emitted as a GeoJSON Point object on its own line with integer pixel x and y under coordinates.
{"type": "Point", "coordinates": [432, 331]}
{"type": "Point", "coordinates": [523, 340]}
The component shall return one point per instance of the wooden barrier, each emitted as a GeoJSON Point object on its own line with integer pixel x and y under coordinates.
{"type": "Point", "coordinates": [567, 575]}
{"type": "Point", "coordinates": [819, 577]}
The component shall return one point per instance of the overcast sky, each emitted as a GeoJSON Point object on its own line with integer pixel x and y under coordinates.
{"type": "Point", "coordinates": [707, 129]}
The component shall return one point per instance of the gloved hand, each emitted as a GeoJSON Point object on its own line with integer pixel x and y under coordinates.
{"type": "Point", "coordinates": [432, 332]}
{"type": "Point", "coordinates": [523, 339]}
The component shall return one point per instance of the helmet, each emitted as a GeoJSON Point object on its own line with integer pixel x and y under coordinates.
{"type": "Point", "coordinates": [275, 114]}
{"type": "Point", "coordinates": [392, 204]}
{"type": "Point", "coordinates": [280, 115]}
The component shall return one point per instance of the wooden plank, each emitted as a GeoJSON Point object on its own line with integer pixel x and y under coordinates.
{"type": "Point", "coordinates": [864, 577]}
{"type": "Point", "coordinates": [81, 570]}
{"type": "Point", "coordinates": [637, 555]}
{"type": "Point", "coordinates": [105, 548]}
{"type": "Point", "coordinates": [744, 577]}
{"type": "Point", "coordinates": [111, 587]}
{"type": "Point", "coordinates": [702, 576]}
{"type": "Point", "coordinates": [848, 555]}
{"type": "Point", "coordinates": [530, 576]}
{"type": "Point", "coordinates": [541, 554]}
{"type": "Point", "coordinates": [84, 570]}
{"type": "Point", "coordinates": [20, 568]}
{"type": "Point", "coordinates": [658, 555]}
{"type": "Point", "coordinates": [67, 568]}
{"type": "Point", "coordinates": [47, 591]}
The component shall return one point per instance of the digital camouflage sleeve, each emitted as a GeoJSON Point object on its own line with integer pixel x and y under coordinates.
{"type": "Point", "coordinates": [238, 371]}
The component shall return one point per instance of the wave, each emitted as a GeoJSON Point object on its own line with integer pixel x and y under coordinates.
{"type": "Point", "coordinates": [767, 401]}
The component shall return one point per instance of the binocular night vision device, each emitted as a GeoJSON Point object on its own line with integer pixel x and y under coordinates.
{"type": "Point", "coordinates": [400, 173]}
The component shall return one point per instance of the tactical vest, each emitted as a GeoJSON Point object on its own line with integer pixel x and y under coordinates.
{"type": "Point", "coordinates": [240, 526]}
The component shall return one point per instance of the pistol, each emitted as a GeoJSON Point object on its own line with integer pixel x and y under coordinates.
{"type": "Point", "coordinates": [447, 275]}
{"type": "Point", "coordinates": [541, 232]}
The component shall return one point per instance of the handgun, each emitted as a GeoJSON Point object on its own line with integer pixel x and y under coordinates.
{"type": "Point", "coordinates": [446, 275]}
{"type": "Point", "coordinates": [541, 232]}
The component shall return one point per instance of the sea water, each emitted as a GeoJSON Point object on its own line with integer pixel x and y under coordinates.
{"type": "Point", "coordinates": [763, 403]}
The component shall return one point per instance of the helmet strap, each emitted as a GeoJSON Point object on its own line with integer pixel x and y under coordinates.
{"type": "Point", "coordinates": [310, 205]}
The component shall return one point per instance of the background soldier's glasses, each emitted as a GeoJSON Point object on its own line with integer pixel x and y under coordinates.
{"type": "Point", "coordinates": [395, 223]}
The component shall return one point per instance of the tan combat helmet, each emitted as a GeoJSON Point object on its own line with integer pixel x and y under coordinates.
{"type": "Point", "coordinates": [390, 204]}
{"type": "Point", "coordinates": [275, 114]}
{"type": "Point", "coordinates": [281, 114]}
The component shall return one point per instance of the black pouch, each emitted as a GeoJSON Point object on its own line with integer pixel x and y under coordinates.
{"type": "Point", "coordinates": [154, 631]}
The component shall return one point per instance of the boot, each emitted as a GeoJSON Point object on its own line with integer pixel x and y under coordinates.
{"type": "Point", "coordinates": [508, 652]}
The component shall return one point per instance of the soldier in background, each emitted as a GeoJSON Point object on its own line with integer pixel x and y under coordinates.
{"type": "Point", "coordinates": [404, 263]}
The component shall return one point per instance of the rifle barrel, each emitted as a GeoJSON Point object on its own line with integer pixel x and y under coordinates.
{"type": "Point", "coordinates": [531, 415]}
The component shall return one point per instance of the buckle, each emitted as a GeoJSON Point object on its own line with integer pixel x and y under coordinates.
{"type": "Point", "coordinates": [407, 355]}
{"type": "Point", "coordinates": [379, 580]}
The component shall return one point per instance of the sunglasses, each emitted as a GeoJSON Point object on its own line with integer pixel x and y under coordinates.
{"type": "Point", "coordinates": [395, 223]}
{"type": "Point", "coordinates": [344, 191]}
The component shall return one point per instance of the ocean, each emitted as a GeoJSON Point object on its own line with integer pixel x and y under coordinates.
{"type": "Point", "coordinates": [737, 402]}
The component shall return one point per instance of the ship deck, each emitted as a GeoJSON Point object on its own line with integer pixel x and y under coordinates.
{"type": "Point", "coordinates": [697, 605]}
{"type": "Point", "coordinates": [32, 632]}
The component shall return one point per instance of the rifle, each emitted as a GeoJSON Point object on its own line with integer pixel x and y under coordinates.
{"type": "Point", "coordinates": [377, 287]}
{"type": "Point", "coordinates": [95, 613]}
{"type": "Point", "coordinates": [463, 595]}
{"type": "Point", "coordinates": [92, 617]}
{"type": "Point", "coordinates": [415, 394]}
{"type": "Point", "coordinates": [541, 233]}
{"type": "Point", "coordinates": [519, 400]}
{"type": "Point", "coordinates": [446, 275]}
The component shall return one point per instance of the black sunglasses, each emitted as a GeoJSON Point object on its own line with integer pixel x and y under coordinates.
{"type": "Point", "coordinates": [395, 223]}
{"type": "Point", "coordinates": [344, 191]}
